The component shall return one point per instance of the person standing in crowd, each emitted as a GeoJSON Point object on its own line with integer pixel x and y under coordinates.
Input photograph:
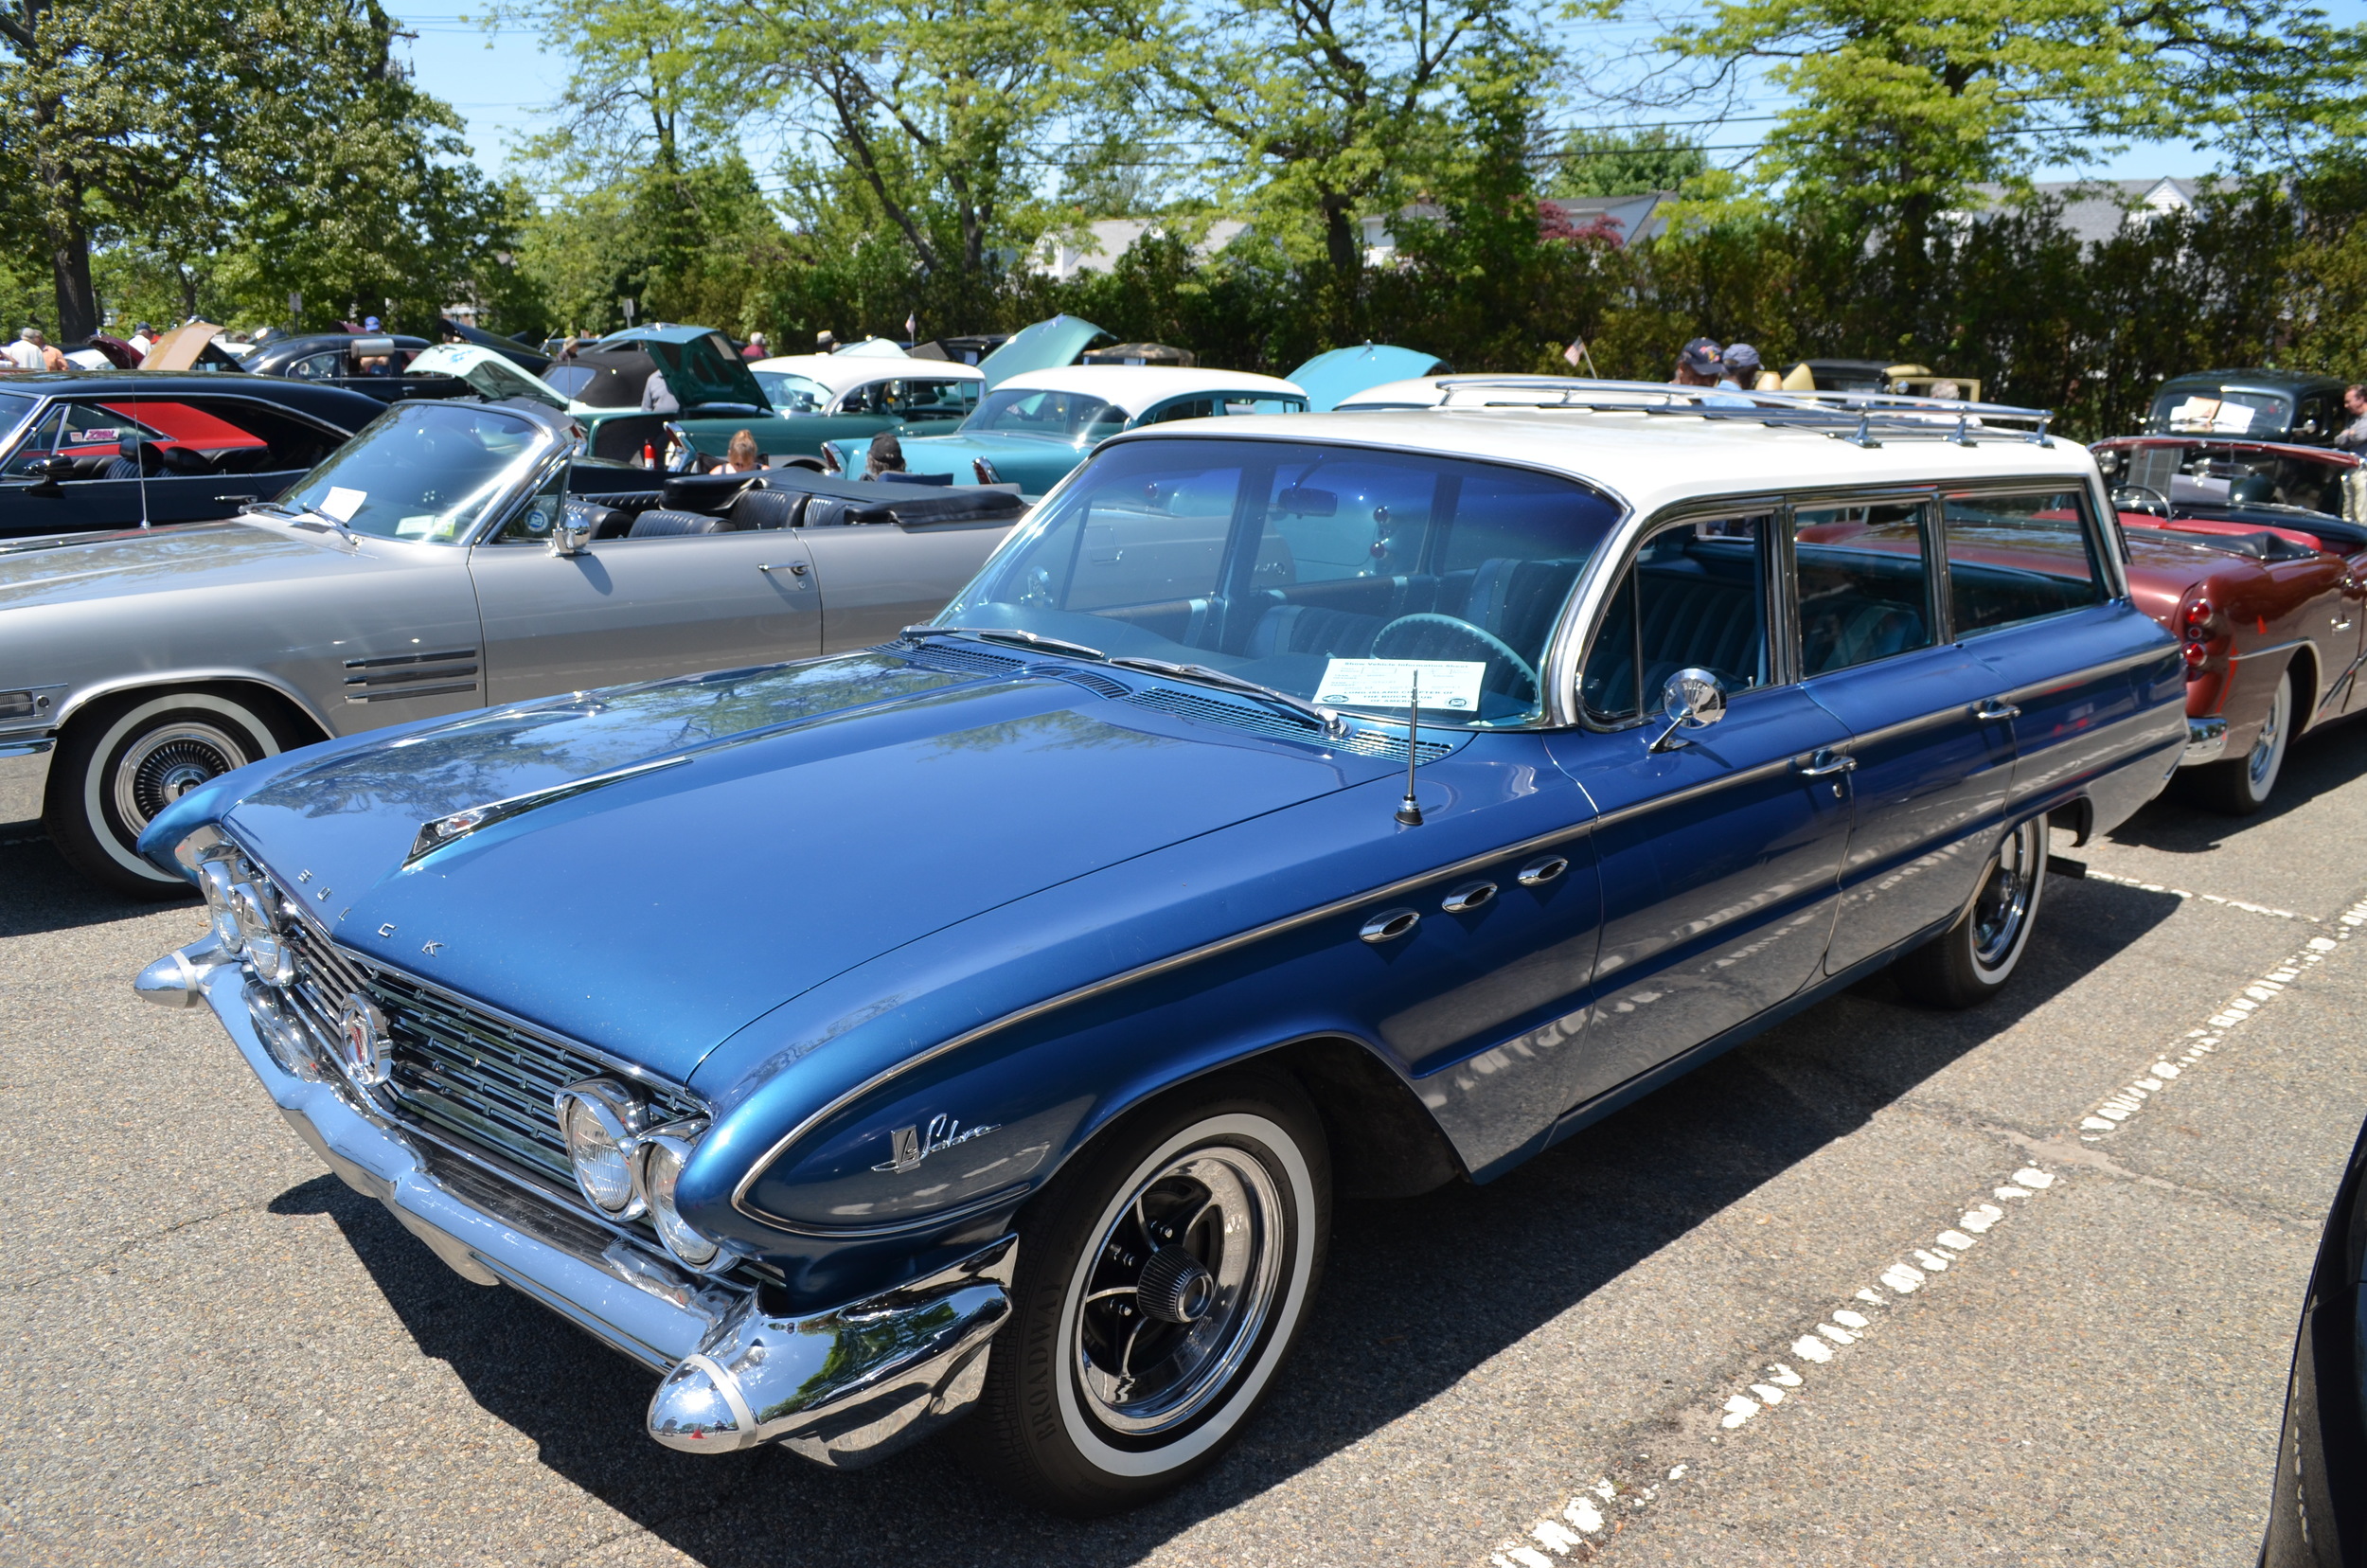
{"type": "Point", "coordinates": [1947, 391]}
{"type": "Point", "coordinates": [757, 349]}
{"type": "Point", "coordinates": [657, 397]}
{"type": "Point", "coordinates": [143, 339]}
{"type": "Point", "coordinates": [741, 457]}
{"type": "Point", "coordinates": [887, 456]}
{"type": "Point", "coordinates": [24, 353]}
{"type": "Point", "coordinates": [2353, 437]}
{"type": "Point", "coordinates": [1700, 365]}
{"type": "Point", "coordinates": [826, 342]}
{"type": "Point", "coordinates": [1745, 371]}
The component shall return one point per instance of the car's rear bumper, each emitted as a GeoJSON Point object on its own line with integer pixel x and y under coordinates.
{"type": "Point", "coordinates": [2206, 740]}
{"type": "Point", "coordinates": [843, 1387]}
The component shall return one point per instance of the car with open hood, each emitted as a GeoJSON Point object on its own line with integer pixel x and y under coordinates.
{"type": "Point", "coordinates": [1031, 428]}
{"type": "Point", "coordinates": [452, 554]}
{"type": "Point", "coordinates": [979, 1025]}
{"type": "Point", "coordinates": [2254, 555]}
{"type": "Point", "coordinates": [88, 450]}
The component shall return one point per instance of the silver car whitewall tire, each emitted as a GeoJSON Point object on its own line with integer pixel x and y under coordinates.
{"type": "Point", "coordinates": [143, 755]}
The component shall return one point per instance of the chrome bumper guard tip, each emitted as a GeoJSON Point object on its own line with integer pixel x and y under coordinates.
{"type": "Point", "coordinates": [843, 1387]}
{"type": "Point", "coordinates": [2206, 741]}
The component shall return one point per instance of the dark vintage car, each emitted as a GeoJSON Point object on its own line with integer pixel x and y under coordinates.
{"type": "Point", "coordinates": [2254, 553]}
{"type": "Point", "coordinates": [376, 365]}
{"type": "Point", "coordinates": [82, 452]}
{"type": "Point", "coordinates": [2318, 1513]}
{"type": "Point", "coordinates": [982, 1023]}
{"type": "Point", "coordinates": [2264, 405]}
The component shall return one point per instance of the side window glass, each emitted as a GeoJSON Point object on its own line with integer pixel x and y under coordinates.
{"type": "Point", "coordinates": [1187, 408]}
{"type": "Point", "coordinates": [1694, 597]}
{"type": "Point", "coordinates": [40, 444]}
{"type": "Point", "coordinates": [532, 525]}
{"type": "Point", "coordinates": [2018, 557]}
{"type": "Point", "coordinates": [1865, 583]}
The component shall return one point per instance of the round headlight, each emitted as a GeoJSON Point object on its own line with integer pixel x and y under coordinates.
{"type": "Point", "coordinates": [213, 880]}
{"type": "Point", "coordinates": [663, 1155]}
{"type": "Point", "coordinates": [601, 1122]}
{"type": "Point", "coordinates": [261, 941]}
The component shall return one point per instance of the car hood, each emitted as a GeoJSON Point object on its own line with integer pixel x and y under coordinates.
{"type": "Point", "coordinates": [826, 813]}
{"type": "Point", "coordinates": [1331, 378]}
{"type": "Point", "coordinates": [1042, 346]}
{"type": "Point", "coordinates": [84, 566]}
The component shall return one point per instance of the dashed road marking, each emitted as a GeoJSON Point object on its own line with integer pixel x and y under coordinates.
{"type": "Point", "coordinates": [1598, 1511]}
{"type": "Point", "coordinates": [2207, 898]}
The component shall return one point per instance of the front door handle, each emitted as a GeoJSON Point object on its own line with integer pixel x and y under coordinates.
{"type": "Point", "coordinates": [795, 568]}
{"type": "Point", "coordinates": [1824, 762]}
{"type": "Point", "coordinates": [1991, 708]}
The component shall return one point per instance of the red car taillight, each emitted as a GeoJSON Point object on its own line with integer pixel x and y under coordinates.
{"type": "Point", "coordinates": [2195, 629]}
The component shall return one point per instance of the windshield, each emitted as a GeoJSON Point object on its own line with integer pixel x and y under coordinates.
{"type": "Point", "coordinates": [13, 407]}
{"type": "Point", "coordinates": [2207, 474]}
{"type": "Point", "coordinates": [1071, 416]}
{"type": "Point", "coordinates": [1305, 568]}
{"type": "Point", "coordinates": [791, 393]}
{"type": "Point", "coordinates": [428, 471]}
{"type": "Point", "coordinates": [2221, 411]}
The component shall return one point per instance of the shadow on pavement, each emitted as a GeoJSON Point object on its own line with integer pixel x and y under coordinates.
{"type": "Point", "coordinates": [1418, 1294]}
{"type": "Point", "coordinates": [40, 892]}
{"type": "Point", "coordinates": [2316, 763]}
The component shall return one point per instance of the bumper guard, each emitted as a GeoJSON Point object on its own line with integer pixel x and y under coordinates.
{"type": "Point", "coordinates": [2206, 741]}
{"type": "Point", "coordinates": [842, 1387]}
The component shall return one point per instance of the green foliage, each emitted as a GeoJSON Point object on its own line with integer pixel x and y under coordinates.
{"type": "Point", "coordinates": [1599, 163]}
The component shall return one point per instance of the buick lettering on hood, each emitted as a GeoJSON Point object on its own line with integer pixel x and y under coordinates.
{"type": "Point", "coordinates": [972, 1031]}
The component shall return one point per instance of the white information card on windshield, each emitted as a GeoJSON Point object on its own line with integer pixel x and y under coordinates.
{"type": "Point", "coordinates": [341, 502]}
{"type": "Point", "coordinates": [1451, 683]}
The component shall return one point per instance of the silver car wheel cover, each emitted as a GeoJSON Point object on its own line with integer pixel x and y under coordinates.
{"type": "Point", "coordinates": [166, 763]}
{"type": "Point", "coordinates": [2268, 751]}
{"type": "Point", "coordinates": [96, 787]}
{"type": "Point", "coordinates": [2007, 902]}
{"type": "Point", "coordinates": [1222, 1400]}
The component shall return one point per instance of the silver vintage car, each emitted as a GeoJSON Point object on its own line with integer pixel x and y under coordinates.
{"type": "Point", "coordinates": [453, 555]}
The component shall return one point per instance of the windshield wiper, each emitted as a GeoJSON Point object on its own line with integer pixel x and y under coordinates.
{"type": "Point", "coordinates": [301, 511]}
{"type": "Point", "coordinates": [1005, 634]}
{"type": "Point", "coordinates": [1329, 721]}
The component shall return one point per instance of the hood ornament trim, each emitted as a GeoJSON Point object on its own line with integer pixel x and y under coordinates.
{"type": "Point", "coordinates": [454, 825]}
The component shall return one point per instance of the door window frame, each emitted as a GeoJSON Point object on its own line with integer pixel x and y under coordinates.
{"type": "Point", "coordinates": [2101, 561]}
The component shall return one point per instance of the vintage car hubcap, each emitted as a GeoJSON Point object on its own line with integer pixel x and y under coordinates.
{"type": "Point", "coordinates": [2264, 751]}
{"type": "Point", "coordinates": [1181, 1287]}
{"type": "Point", "coordinates": [166, 764]}
{"type": "Point", "coordinates": [2004, 907]}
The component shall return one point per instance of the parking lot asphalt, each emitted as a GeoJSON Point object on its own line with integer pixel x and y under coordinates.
{"type": "Point", "coordinates": [1884, 1286]}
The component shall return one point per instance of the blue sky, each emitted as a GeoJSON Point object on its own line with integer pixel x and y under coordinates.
{"type": "Point", "coordinates": [497, 82]}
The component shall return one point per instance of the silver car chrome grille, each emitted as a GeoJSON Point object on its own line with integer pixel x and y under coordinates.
{"type": "Point", "coordinates": [1211, 710]}
{"type": "Point", "coordinates": [488, 1082]}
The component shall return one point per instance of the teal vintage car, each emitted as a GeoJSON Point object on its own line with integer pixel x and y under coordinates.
{"type": "Point", "coordinates": [1033, 428]}
{"type": "Point", "coordinates": [857, 393]}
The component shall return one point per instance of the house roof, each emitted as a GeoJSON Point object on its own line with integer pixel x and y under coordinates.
{"type": "Point", "coordinates": [2095, 210]}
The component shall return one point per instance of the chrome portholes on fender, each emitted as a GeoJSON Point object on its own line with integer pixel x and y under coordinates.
{"type": "Point", "coordinates": [1470, 898]}
{"type": "Point", "coordinates": [1389, 925]}
{"type": "Point", "coordinates": [1544, 868]}
{"type": "Point", "coordinates": [1163, 1280]}
{"type": "Point", "coordinates": [1972, 959]}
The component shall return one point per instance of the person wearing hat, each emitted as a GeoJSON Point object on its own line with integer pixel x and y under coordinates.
{"type": "Point", "coordinates": [1699, 365]}
{"type": "Point", "coordinates": [1745, 373]}
{"type": "Point", "coordinates": [143, 339]}
{"type": "Point", "coordinates": [826, 342]}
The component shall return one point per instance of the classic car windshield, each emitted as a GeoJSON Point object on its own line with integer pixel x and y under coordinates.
{"type": "Point", "coordinates": [13, 407]}
{"type": "Point", "coordinates": [1302, 568]}
{"type": "Point", "coordinates": [1064, 415]}
{"type": "Point", "coordinates": [427, 470]}
{"type": "Point", "coordinates": [2221, 411]}
{"type": "Point", "coordinates": [2220, 474]}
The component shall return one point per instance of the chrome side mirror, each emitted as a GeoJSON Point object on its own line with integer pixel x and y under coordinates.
{"type": "Point", "coordinates": [1694, 699]}
{"type": "Point", "coordinates": [571, 531]}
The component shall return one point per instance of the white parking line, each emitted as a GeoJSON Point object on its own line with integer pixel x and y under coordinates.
{"type": "Point", "coordinates": [1586, 1523]}
{"type": "Point", "coordinates": [2094, 875]}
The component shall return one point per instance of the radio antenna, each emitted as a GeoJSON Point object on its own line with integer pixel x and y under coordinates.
{"type": "Point", "coordinates": [1409, 811]}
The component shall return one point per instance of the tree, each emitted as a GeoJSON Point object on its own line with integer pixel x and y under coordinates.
{"type": "Point", "coordinates": [1901, 108]}
{"type": "Point", "coordinates": [1613, 163]}
{"type": "Point", "coordinates": [1325, 109]}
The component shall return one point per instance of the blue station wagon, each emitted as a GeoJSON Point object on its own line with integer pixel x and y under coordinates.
{"type": "Point", "coordinates": [981, 1024]}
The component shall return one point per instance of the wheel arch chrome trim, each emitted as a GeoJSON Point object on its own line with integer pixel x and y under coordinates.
{"type": "Point", "coordinates": [168, 679]}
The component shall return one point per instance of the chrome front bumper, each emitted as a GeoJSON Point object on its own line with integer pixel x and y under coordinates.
{"type": "Point", "coordinates": [2206, 741]}
{"type": "Point", "coordinates": [24, 777]}
{"type": "Point", "coordinates": [842, 1387]}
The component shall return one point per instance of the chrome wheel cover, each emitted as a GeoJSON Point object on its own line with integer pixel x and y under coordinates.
{"type": "Point", "coordinates": [1179, 1290]}
{"type": "Point", "coordinates": [2000, 911]}
{"type": "Point", "coordinates": [166, 763]}
{"type": "Point", "coordinates": [2261, 766]}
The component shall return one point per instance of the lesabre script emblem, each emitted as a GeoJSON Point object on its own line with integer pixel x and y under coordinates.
{"type": "Point", "coordinates": [910, 1145]}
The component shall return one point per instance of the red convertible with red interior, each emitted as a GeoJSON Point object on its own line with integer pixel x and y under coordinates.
{"type": "Point", "coordinates": [2254, 553]}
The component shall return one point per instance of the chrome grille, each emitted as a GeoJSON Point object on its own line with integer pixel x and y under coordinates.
{"type": "Point", "coordinates": [490, 1082]}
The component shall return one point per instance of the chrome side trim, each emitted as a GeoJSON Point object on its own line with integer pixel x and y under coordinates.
{"type": "Point", "coordinates": [454, 825]}
{"type": "Point", "coordinates": [158, 680]}
{"type": "Point", "coordinates": [845, 1387]}
{"type": "Point", "coordinates": [2206, 741]}
{"type": "Point", "coordinates": [1127, 978]}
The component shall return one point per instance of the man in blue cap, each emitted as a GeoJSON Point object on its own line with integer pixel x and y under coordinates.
{"type": "Point", "coordinates": [1699, 365]}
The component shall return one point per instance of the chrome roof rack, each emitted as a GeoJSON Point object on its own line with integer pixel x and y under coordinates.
{"type": "Point", "coordinates": [1862, 418]}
